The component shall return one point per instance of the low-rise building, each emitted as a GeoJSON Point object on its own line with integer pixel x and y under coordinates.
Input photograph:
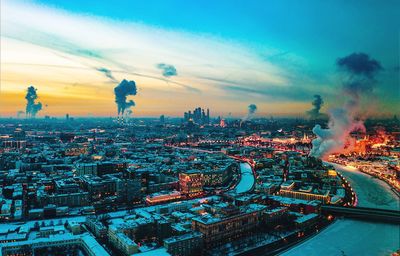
{"type": "Point", "coordinates": [185, 245]}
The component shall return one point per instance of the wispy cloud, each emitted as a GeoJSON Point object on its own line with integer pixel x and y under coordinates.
{"type": "Point", "coordinates": [273, 93]}
{"type": "Point", "coordinates": [95, 48]}
{"type": "Point", "coordinates": [107, 73]}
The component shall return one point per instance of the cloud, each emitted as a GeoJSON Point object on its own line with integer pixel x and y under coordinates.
{"type": "Point", "coordinates": [115, 49]}
{"type": "Point", "coordinates": [272, 92]}
{"type": "Point", "coordinates": [167, 69]}
{"type": "Point", "coordinates": [107, 73]}
{"type": "Point", "coordinates": [132, 49]}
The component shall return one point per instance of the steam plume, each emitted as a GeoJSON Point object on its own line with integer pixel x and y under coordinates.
{"type": "Point", "coordinates": [122, 91]}
{"type": "Point", "coordinates": [358, 81]}
{"type": "Point", "coordinates": [317, 103]}
{"type": "Point", "coordinates": [32, 108]}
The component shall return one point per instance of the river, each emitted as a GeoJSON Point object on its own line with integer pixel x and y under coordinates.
{"type": "Point", "coordinates": [247, 179]}
{"type": "Point", "coordinates": [353, 237]}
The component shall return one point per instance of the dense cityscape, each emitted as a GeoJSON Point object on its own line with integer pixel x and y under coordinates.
{"type": "Point", "coordinates": [199, 128]}
{"type": "Point", "coordinates": [173, 186]}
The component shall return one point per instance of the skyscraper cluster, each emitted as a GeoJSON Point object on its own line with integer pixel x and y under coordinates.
{"type": "Point", "coordinates": [199, 116]}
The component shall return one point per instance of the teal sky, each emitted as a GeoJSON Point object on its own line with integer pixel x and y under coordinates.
{"type": "Point", "coordinates": [280, 53]}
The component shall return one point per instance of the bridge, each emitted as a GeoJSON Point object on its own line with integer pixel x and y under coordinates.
{"type": "Point", "coordinates": [380, 215]}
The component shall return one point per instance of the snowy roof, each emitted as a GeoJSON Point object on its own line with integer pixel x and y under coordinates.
{"type": "Point", "coordinates": [306, 218]}
{"type": "Point", "coordinates": [182, 237]}
{"type": "Point", "coordinates": [157, 252]}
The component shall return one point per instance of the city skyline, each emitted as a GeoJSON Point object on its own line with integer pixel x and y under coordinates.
{"type": "Point", "coordinates": [216, 55]}
{"type": "Point", "coordinates": [199, 128]}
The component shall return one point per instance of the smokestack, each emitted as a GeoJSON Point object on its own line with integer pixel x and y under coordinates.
{"type": "Point", "coordinates": [359, 72]}
{"type": "Point", "coordinates": [32, 108]}
{"type": "Point", "coordinates": [122, 91]}
{"type": "Point", "coordinates": [317, 104]}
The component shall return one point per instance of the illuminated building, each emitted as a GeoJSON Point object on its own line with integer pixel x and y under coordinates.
{"type": "Point", "coordinates": [285, 171]}
{"type": "Point", "coordinates": [158, 198]}
{"type": "Point", "coordinates": [15, 144]}
{"type": "Point", "coordinates": [219, 230]}
{"type": "Point", "coordinates": [76, 150]}
{"type": "Point", "coordinates": [222, 123]}
{"type": "Point", "coordinates": [220, 176]}
{"type": "Point", "coordinates": [305, 195]}
{"type": "Point", "coordinates": [198, 116]}
{"type": "Point", "coordinates": [191, 182]}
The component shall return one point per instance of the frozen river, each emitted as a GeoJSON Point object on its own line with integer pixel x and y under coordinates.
{"type": "Point", "coordinates": [352, 237]}
{"type": "Point", "coordinates": [246, 179]}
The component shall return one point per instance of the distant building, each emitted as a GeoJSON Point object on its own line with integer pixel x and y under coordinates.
{"type": "Point", "coordinates": [14, 144]}
{"type": "Point", "coordinates": [198, 116]}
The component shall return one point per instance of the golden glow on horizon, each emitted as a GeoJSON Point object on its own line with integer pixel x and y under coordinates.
{"type": "Point", "coordinates": [67, 82]}
{"type": "Point", "coordinates": [60, 53]}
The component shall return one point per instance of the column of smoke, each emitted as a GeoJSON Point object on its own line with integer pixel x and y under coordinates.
{"type": "Point", "coordinates": [317, 103]}
{"type": "Point", "coordinates": [252, 108]}
{"type": "Point", "coordinates": [129, 112]}
{"type": "Point", "coordinates": [32, 108]}
{"type": "Point", "coordinates": [20, 113]}
{"type": "Point", "coordinates": [359, 72]}
{"type": "Point", "coordinates": [122, 91]}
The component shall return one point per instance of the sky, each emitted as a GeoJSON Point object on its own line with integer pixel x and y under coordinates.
{"type": "Point", "coordinates": [222, 55]}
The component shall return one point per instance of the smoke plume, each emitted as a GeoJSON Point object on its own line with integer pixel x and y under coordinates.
{"type": "Point", "coordinates": [359, 72]}
{"type": "Point", "coordinates": [167, 69]}
{"type": "Point", "coordinates": [19, 113]}
{"type": "Point", "coordinates": [252, 109]}
{"type": "Point", "coordinates": [317, 103]}
{"type": "Point", "coordinates": [32, 108]}
{"type": "Point", "coordinates": [122, 91]}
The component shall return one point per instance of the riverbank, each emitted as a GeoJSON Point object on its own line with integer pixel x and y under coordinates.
{"type": "Point", "coordinates": [362, 169]}
{"type": "Point", "coordinates": [287, 242]}
{"type": "Point", "coordinates": [371, 192]}
{"type": "Point", "coordinates": [354, 237]}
